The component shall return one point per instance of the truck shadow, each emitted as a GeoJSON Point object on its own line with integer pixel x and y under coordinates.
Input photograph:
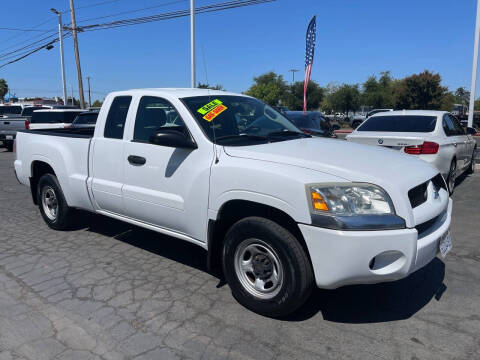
{"type": "Point", "coordinates": [375, 303]}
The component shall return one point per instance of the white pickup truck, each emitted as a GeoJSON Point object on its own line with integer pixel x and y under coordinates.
{"type": "Point", "coordinates": [280, 211]}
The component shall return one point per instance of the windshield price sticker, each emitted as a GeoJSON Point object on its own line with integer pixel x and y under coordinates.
{"type": "Point", "coordinates": [215, 112]}
{"type": "Point", "coordinates": [209, 107]}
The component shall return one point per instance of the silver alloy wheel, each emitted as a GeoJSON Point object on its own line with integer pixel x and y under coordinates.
{"type": "Point", "coordinates": [451, 176]}
{"type": "Point", "coordinates": [258, 268]}
{"type": "Point", "coordinates": [49, 202]}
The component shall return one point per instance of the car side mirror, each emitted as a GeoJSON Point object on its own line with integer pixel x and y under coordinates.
{"type": "Point", "coordinates": [471, 131]}
{"type": "Point", "coordinates": [172, 138]}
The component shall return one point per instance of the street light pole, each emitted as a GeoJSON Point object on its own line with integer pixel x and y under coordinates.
{"type": "Point", "coordinates": [77, 56]}
{"type": "Point", "coordinates": [62, 62]}
{"type": "Point", "coordinates": [293, 74]}
{"type": "Point", "coordinates": [192, 43]}
{"type": "Point", "coordinates": [89, 98]}
{"type": "Point", "coordinates": [474, 67]}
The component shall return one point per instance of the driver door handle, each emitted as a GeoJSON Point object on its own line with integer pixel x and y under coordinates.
{"type": "Point", "coordinates": [136, 160]}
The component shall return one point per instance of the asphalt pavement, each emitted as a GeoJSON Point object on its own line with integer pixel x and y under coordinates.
{"type": "Point", "coordinates": [109, 290]}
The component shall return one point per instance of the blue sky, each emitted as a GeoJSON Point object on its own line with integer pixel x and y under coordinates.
{"type": "Point", "coordinates": [355, 39]}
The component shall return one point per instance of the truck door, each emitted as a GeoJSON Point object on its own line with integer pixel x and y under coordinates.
{"type": "Point", "coordinates": [107, 159]}
{"type": "Point", "coordinates": [165, 186]}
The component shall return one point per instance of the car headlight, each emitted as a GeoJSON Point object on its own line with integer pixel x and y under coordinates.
{"type": "Point", "coordinates": [349, 199]}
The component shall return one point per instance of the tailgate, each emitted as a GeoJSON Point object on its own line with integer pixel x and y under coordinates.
{"type": "Point", "coordinates": [11, 125]}
{"type": "Point", "coordinates": [396, 141]}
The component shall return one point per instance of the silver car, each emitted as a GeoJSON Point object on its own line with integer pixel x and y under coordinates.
{"type": "Point", "coordinates": [434, 136]}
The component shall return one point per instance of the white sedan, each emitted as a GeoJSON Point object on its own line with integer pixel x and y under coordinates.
{"type": "Point", "coordinates": [434, 136]}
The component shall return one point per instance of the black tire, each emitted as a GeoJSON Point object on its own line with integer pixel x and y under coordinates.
{"type": "Point", "coordinates": [471, 168]}
{"type": "Point", "coordinates": [64, 214]}
{"type": "Point", "coordinates": [297, 282]}
{"type": "Point", "coordinates": [9, 145]}
{"type": "Point", "coordinates": [356, 124]}
{"type": "Point", "coordinates": [451, 176]}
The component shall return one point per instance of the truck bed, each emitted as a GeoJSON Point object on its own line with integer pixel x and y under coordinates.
{"type": "Point", "coordinates": [68, 132]}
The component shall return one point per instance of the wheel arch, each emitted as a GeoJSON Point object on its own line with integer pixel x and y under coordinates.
{"type": "Point", "coordinates": [38, 168]}
{"type": "Point", "coordinates": [234, 210]}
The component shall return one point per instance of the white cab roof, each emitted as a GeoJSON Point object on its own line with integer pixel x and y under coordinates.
{"type": "Point", "coordinates": [175, 92]}
{"type": "Point", "coordinates": [60, 110]}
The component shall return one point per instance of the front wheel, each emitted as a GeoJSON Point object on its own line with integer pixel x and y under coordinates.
{"type": "Point", "coordinates": [53, 207]}
{"type": "Point", "coordinates": [266, 268]}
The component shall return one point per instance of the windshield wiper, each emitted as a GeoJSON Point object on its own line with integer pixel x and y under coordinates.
{"type": "Point", "coordinates": [245, 136]}
{"type": "Point", "coordinates": [288, 133]}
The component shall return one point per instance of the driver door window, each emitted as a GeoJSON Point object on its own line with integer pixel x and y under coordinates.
{"type": "Point", "coordinates": [153, 114]}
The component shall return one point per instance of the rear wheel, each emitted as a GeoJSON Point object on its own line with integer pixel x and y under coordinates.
{"type": "Point", "coordinates": [452, 175]}
{"type": "Point", "coordinates": [266, 268]}
{"type": "Point", "coordinates": [9, 145]}
{"type": "Point", "coordinates": [471, 168]}
{"type": "Point", "coordinates": [53, 207]}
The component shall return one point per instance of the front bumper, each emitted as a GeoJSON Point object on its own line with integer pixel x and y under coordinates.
{"type": "Point", "coordinates": [363, 257]}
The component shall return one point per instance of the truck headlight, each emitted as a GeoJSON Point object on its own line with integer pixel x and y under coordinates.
{"type": "Point", "coordinates": [349, 199]}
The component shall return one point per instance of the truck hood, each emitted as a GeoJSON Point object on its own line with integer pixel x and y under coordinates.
{"type": "Point", "coordinates": [351, 161]}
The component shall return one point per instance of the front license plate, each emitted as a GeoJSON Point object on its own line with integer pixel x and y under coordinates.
{"type": "Point", "coordinates": [9, 137]}
{"type": "Point", "coordinates": [445, 244]}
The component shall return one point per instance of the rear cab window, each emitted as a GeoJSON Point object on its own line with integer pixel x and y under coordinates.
{"type": "Point", "coordinates": [10, 110]}
{"type": "Point", "coordinates": [53, 117]}
{"type": "Point", "coordinates": [117, 115]}
{"type": "Point", "coordinates": [400, 123]}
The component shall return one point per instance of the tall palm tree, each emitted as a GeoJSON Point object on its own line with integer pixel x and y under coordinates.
{"type": "Point", "coordinates": [3, 89]}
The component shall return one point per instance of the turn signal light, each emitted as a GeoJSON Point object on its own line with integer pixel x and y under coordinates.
{"type": "Point", "coordinates": [427, 147]}
{"type": "Point", "coordinates": [319, 202]}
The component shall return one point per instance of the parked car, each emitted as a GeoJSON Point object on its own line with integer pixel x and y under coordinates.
{"type": "Point", "coordinates": [376, 111]}
{"type": "Point", "coordinates": [434, 136]}
{"type": "Point", "coordinates": [85, 119]}
{"type": "Point", "coordinates": [278, 210]}
{"type": "Point", "coordinates": [52, 118]}
{"type": "Point", "coordinates": [9, 125]}
{"type": "Point", "coordinates": [311, 122]}
{"type": "Point", "coordinates": [355, 120]}
{"type": "Point", "coordinates": [10, 109]}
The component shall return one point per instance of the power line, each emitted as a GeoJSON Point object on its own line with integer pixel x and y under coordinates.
{"type": "Point", "coordinates": [27, 46]}
{"type": "Point", "coordinates": [19, 29]}
{"type": "Point", "coordinates": [134, 21]}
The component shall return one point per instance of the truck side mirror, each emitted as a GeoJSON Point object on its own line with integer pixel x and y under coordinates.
{"type": "Point", "coordinates": [471, 131]}
{"type": "Point", "coordinates": [172, 138]}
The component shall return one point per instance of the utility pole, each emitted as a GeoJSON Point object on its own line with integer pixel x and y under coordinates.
{"type": "Point", "coordinates": [474, 67]}
{"type": "Point", "coordinates": [192, 43]}
{"type": "Point", "coordinates": [77, 56]}
{"type": "Point", "coordinates": [89, 98]}
{"type": "Point", "coordinates": [293, 74]}
{"type": "Point", "coordinates": [62, 62]}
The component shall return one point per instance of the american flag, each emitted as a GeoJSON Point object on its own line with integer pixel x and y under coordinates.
{"type": "Point", "coordinates": [309, 50]}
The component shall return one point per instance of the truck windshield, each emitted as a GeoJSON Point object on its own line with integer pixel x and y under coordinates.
{"type": "Point", "coordinates": [240, 120]}
{"type": "Point", "coordinates": [53, 117]}
{"type": "Point", "coordinates": [6, 110]}
{"type": "Point", "coordinates": [399, 123]}
{"type": "Point", "coordinates": [86, 119]}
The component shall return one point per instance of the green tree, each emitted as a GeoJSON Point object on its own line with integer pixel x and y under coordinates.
{"type": "Point", "coordinates": [421, 91]}
{"type": "Point", "coordinates": [3, 89]}
{"type": "Point", "coordinates": [345, 98]}
{"type": "Point", "coordinates": [379, 93]}
{"type": "Point", "coordinates": [207, 86]}
{"type": "Point", "coordinates": [269, 87]}
{"type": "Point", "coordinates": [462, 96]}
{"type": "Point", "coordinates": [97, 103]}
{"type": "Point", "coordinates": [293, 98]}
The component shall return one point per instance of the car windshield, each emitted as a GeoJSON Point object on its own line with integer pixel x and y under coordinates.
{"type": "Point", "coordinates": [310, 121]}
{"type": "Point", "coordinates": [240, 120]}
{"type": "Point", "coordinates": [86, 119]}
{"type": "Point", "coordinates": [6, 110]}
{"type": "Point", "coordinates": [399, 123]}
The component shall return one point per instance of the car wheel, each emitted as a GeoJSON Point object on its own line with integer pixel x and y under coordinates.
{"type": "Point", "coordinates": [356, 124]}
{"type": "Point", "coordinates": [471, 168]}
{"type": "Point", "coordinates": [452, 174]}
{"type": "Point", "coordinates": [9, 145]}
{"type": "Point", "coordinates": [53, 207]}
{"type": "Point", "coordinates": [266, 268]}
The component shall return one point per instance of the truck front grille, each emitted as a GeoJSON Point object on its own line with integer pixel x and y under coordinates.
{"type": "Point", "coordinates": [418, 195]}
